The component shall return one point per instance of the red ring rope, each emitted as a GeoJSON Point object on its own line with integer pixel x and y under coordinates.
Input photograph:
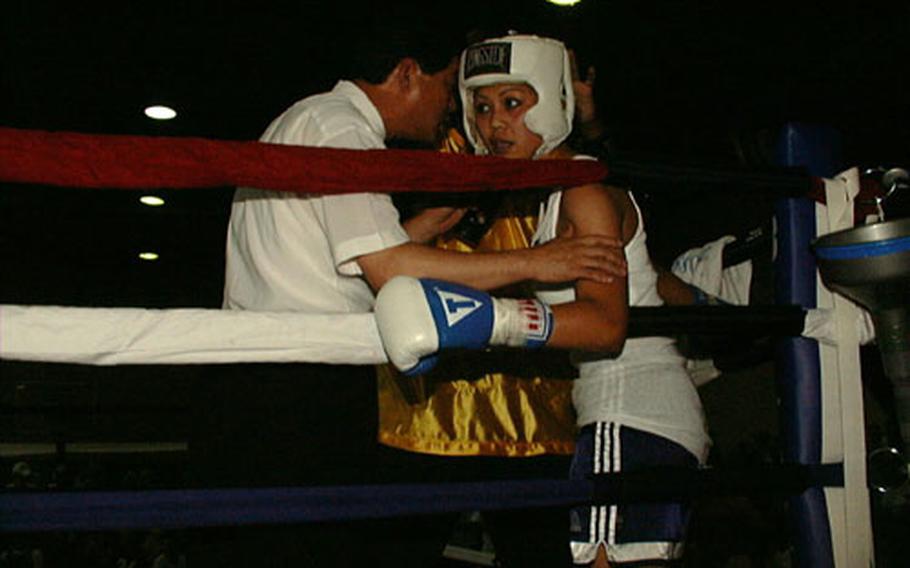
{"type": "Point", "coordinates": [140, 162]}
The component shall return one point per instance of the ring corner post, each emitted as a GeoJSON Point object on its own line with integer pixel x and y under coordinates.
{"type": "Point", "coordinates": [813, 433]}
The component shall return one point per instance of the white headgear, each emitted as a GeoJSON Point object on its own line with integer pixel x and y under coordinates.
{"type": "Point", "coordinates": [542, 63]}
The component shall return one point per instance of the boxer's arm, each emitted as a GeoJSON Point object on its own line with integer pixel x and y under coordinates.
{"type": "Point", "coordinates": [598, 318]}
{"type": "Point", "coordinates": [594, 257]}
{"type": "Point", "coordinates": [672, 290]}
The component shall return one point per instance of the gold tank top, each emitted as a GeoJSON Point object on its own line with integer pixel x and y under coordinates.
{"type": "Point", "coordinates": [491, 404]}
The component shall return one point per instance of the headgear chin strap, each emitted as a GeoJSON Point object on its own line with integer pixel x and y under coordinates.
{"type": "Point", "coordinates": [542, 63]}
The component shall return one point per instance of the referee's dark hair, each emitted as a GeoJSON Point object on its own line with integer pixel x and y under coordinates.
{"type": "Point", "coordinates": [387, 38]}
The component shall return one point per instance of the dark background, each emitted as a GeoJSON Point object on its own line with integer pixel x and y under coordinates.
{"type": "Point", "coordinates": [707, 83]}
{"type": "Point", "coordinates": [676, 81]}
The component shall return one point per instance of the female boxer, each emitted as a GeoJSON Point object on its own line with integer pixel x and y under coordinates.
{"type": "Point", "coordinates": [635, 403]}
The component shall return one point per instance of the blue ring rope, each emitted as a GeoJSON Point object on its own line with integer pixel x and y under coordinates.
{"type": "Point", "coordinates": [173, 509]}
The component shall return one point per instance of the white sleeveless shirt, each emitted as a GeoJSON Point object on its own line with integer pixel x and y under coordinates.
{"type": "Point", "coordinates": [646, 386]}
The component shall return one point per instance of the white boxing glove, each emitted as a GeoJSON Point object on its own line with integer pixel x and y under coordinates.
{"type": "Point", "coordinates": [419, 317]}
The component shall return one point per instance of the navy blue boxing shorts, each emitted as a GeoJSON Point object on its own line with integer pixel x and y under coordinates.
{"type": "Point", "coordinates": [636, 532]}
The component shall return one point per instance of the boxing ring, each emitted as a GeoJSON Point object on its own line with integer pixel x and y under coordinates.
{"type": "Point", "coordinates": [824, 470]}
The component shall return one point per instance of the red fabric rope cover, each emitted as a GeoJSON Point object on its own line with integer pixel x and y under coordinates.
{"type": "Point", "coordinates": [139, 162]}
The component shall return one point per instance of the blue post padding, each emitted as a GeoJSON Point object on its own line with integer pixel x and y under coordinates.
{"type": "Point", "coordinates": [813, 546]}
{"type": "Point", "coordinates": [797, 358]}
{"type": "Point", "coordinates": [818, 149]}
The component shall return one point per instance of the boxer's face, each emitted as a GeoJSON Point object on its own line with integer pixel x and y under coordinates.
{"type": "Point", "coordinates": [499, 112]}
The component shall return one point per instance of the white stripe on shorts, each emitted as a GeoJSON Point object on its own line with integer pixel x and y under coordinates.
{"type": "Point", "coordinates": [615, 466]}
{"type": "Point", "coordinates": [594, 522]}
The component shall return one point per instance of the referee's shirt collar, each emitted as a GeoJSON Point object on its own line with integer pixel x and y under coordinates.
{"type": "Point", "coordinates": [362, 103]}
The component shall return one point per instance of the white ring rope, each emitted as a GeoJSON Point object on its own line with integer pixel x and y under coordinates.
{"type": "Point", "coordinates": [116, 336]}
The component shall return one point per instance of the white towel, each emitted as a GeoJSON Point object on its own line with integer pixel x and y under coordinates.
{"type": "Point", "coordinates": [703, 267]}
{"type": "Point", "coordinates": [820, 326]}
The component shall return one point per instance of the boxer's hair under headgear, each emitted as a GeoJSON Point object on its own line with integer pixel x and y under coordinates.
{"type": "Point", "coordinates": [542, 63]}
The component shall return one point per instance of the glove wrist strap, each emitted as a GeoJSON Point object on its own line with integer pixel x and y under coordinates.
{"type": "Point", "coordinates": [521, 323]}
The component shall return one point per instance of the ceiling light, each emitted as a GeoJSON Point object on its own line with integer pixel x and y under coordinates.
{"type": "Point", "coordinates": [148, 256]}
{"type": "Point", "coordinates": [564, 2]}
{"type": "Point", "coordinates": [151, 200]}
{"type": "Point", "coordinates": [160, 112]}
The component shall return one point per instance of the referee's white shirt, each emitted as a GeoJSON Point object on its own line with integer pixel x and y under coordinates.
{"type": "Point", "coordinates": [297, 252]}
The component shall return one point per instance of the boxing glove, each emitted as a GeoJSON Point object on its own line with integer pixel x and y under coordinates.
{"type": "Point", "coordinates": [419, 317]}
